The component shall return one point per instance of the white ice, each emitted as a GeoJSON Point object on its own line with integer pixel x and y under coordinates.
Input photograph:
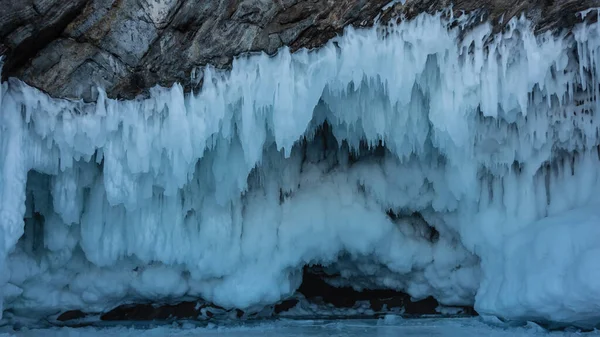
{"type": "Point", "coordinates": [391, 326]}
{"type": "Point", "coordinates": [492, 139]}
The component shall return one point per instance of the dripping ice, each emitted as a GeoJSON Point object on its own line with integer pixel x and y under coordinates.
{"type": "Point", "coordinates": [491, 138]}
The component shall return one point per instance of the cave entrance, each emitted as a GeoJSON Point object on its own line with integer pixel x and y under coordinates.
{"type": "Point", "coordinates": [316, 289]}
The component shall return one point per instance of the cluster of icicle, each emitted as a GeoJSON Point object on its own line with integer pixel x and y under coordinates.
{"type": "Point", "coordinates": [227, 193]}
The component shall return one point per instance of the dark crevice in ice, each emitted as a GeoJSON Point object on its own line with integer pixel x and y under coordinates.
{"type": "Point", "coordinates": [317, 290]}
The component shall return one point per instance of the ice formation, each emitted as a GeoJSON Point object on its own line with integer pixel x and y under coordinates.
{"type": "Point", "coordinates": [405, 157]}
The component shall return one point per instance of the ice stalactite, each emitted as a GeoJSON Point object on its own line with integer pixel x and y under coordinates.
{"type": "Point", "coordinates": [13, 174]}
{"type": "Point", "coordinates": [349, 156]}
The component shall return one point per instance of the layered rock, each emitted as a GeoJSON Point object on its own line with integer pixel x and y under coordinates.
{"type": "Point", "coordinates": [70, 48]}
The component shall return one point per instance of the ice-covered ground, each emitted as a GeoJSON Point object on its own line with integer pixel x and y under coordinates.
{"type": "Point", "coordinates": [392, 327]}
{"type": "Point", "coordinates": [415, 157]}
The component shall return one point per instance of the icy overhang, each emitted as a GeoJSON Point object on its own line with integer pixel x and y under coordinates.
{"type": "Point", "coordinates": [68, 49]}
{"type": "Point", "coordinates": [492, 139]}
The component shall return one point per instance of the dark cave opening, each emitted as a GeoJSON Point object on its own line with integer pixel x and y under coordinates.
{"type": "Point", "coordinates": [317, 290]}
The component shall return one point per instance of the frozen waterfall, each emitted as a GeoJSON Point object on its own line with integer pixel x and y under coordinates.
{"type": "Point", "coordinates": [349, 156]}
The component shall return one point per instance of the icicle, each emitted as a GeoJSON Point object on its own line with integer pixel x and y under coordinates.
{"type": "Point", "coordinates": [299, 158]}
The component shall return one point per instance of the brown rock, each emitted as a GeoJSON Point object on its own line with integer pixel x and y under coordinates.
{"type": "Point", "coordinates": [70, 315]}
{"type": "Point", "coordinates": [146, 312]}
{"type": "Point", "coordinates": [284, 306]}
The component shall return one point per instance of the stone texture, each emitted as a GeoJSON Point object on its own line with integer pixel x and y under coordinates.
{"type": "Point", "coordinates": [148, 312]}
{"type": "Point", "coordinates": [71, 315]}
{"type": "Point", "coordinates": [69, 48]}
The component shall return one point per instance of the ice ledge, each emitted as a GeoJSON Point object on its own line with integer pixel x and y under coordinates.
{"type": "Point", "coordinates": [68, 49]}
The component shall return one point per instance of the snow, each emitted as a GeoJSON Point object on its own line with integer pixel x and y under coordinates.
{"type": "Point", "coordinates": [566, 248]}
{"type": "Point", "coordinates": [388, 326]}
{"type": "Point", "coordinates": [226, 194]}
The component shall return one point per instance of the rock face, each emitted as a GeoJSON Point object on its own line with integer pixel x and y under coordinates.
{"type": "Point", "coordinates": [69, 48]}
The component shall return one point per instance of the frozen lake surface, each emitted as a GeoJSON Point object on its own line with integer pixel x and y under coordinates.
{"type": "Point", "coordinates": [347, 328]}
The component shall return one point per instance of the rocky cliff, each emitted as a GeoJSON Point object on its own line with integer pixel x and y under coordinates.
{"type": "Point", "coordinates": [69, 48]}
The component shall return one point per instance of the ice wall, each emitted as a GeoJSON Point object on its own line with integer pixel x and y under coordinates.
{"type": "Point", "coordinates": [490, 139]}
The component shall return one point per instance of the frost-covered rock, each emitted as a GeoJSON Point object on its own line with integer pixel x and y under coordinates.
{"type": "Point", "coordinates": [69, 48]}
